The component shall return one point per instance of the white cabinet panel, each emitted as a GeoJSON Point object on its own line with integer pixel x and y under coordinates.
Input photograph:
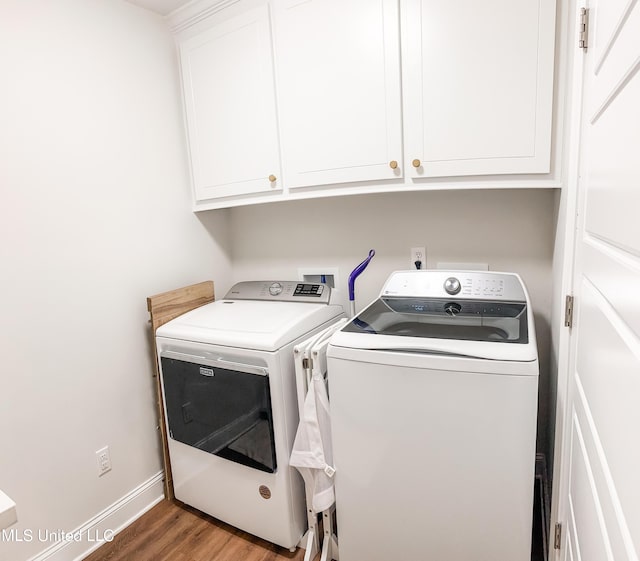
{"type": "Point", "coordinates": [478, 84]}
{"type": "Point", "coordinates": [339, 90]}
{"type": "Point", "coordinates": [229, 94]}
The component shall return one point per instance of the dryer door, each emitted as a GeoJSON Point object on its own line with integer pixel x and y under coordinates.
{"type": "Point", "coordinates": [221, 407]}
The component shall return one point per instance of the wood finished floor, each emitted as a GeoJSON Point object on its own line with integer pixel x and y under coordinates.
{"type": "Point", "coordinates": [177, 532]}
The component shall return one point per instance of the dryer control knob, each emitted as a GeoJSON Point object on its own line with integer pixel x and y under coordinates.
{"type": "Point", "coordinates": [452, 285]}
{"type": "Point", "coordinates": [275, 289]}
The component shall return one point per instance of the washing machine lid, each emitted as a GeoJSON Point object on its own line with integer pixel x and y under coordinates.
{"type": "Point", "coordinates": [475, 314]}
{"type": "Point", "coordinates": [249, 324]}
{"type": "Point", "coordinates": [466, 320]}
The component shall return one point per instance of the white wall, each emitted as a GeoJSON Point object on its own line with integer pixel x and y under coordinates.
{"type": "Point", "coordinates": [510, 230]}
{"type": "Point", "coordinates": [94, 217]}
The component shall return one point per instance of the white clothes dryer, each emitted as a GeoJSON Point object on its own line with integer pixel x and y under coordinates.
{"type": "Point", "coordinates": [433, 391]}
{"type": "Point", "coordinates": [230, 403]}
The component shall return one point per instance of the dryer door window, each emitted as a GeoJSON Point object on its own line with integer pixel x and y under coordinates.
{"type": "Point", "coordinates": [223, 411]}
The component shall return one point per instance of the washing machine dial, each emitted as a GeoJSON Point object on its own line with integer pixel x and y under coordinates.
{"type": "Point", "coordinates": [452, 309]}
{"type": "Point", "coordinates": [275, 289]}
{"type": "Point", "coordinates": [452, 285]}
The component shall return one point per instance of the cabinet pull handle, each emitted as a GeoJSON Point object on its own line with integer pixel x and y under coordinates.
{"type": "Point", "coordinates": [393, 164]}
{"type": "Point", "coordinates": [272, 178]}
{"type": "Point", "coordinates": [416, 163]}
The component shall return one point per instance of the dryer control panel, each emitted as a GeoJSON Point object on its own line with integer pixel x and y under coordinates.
{"type": "Point", "coordinates": [281, 291]}
{"type": "Point", "coordinates": [461, 284]}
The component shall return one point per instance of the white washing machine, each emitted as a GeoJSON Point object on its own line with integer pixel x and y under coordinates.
{"type": "Point", "coordinates": [230, 400]}
{"type": "Point", "coordinates": [433, 391]}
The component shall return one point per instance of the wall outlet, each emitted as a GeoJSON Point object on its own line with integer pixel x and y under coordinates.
{"type": "Point", "coordinates": [104, 460]}
{"type": "Point", "coordinates": [418, 254]}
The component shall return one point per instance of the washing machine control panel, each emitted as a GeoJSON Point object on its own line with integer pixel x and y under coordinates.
{"type": "Point", "coordinates": [282, 291]}
{"type": "Point", "coordinates": [483, 287]}
{"type": "Point", "coordinates": [461, 284]}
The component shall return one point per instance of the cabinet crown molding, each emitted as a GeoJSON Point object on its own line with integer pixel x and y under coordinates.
{"type": "Point", "coordinates": [194, 12]}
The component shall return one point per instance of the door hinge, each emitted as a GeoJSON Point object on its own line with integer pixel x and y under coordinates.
{"type": "Point", "coordinates": [557, 536]}
{"type": "Point", "coordinates": [583, 29]}
{"type": "Point", "coordinates": [568, 311]}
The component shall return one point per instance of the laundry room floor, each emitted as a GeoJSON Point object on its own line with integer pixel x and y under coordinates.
{"type": "Point", "coordinates": [177, 532]}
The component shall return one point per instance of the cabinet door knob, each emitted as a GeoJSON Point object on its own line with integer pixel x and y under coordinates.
{"type": "Point", "coordinates": [416, 163]}
{"type": "Point", "coordinates": [272, 178]}
{"type": "Point", "coordinates": [393, 164]}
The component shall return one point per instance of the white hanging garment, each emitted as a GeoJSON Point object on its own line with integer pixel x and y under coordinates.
{"type": "Point", "coordinates": [312, 450]}
{"type": "Point", "coordinates": [312, 453]}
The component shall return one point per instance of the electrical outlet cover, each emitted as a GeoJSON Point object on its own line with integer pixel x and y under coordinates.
{"type": "Point", "coordinates": [104, 460]}
{"type": "Point", "coordinates": [418, 254]}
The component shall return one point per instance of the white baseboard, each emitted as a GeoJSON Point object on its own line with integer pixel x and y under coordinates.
{"type": "Point", "coordinates": [80, 542]}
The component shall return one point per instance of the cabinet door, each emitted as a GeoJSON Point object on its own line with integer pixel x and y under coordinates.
{"type": "Point", "coordinates": [478, 84]}
{"type": "Point", "coordinates": [339, 90]}
{"type": "Point", "coordinates": [229, 95]}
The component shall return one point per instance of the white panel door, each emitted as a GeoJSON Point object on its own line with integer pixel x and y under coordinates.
{"type": "Point", "coordinates": [229, 96]}
{"type": "Point", "coordinates": [600, 491]}
{"type": "Point", "coordinates": [477, 86]}
{"type": "Point", "coordinates": [338, 67]}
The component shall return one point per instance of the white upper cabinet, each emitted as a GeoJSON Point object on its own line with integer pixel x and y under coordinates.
{"type": "Point", "coordinates": [478, 86]}
{"type": "Point", "coordinates": [230, 104]}
{"type": "Point", "coordinates": [289, 99]}
{"type": "Point", "coordinates": [338, 76]}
